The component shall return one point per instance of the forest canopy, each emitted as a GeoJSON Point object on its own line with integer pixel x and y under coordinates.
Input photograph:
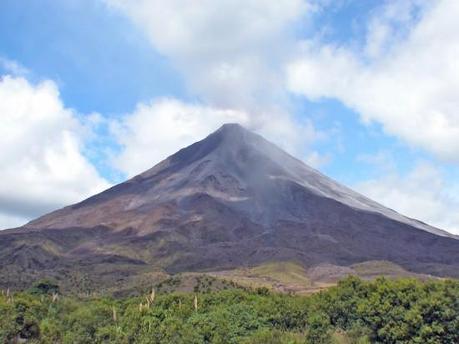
{"type": "Point", "coordinates": [355, 311]}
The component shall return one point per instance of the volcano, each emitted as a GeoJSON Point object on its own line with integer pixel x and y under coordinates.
{"type": "Point", "coordinates": [231, 200]}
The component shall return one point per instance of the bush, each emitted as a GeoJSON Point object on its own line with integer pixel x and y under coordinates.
{"type": "Point", "coordinates": [44, 287]}
{"type": "Point", "coordinates": [355, 311]}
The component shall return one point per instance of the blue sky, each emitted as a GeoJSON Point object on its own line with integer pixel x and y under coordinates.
{"type": "Point", "coordinates": [362, 90]}
{"type": "Point", "coordinates": [99, 60]}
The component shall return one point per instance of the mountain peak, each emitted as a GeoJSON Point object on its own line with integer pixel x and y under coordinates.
{"type": "Point", "coordinates": [231, 127]}
{"type": "Point", "coordinates": [233, 131]}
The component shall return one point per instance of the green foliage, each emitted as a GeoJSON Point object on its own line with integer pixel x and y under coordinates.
{"type": "Point", "coordinates": [8, 325]}
{"type": "Point", "coordinates": [319, 328]}
{"type": "Point", "coordinates": [270, 336]}
{"type": "Point", "coordinates": [355, 311]}
{"type": "Point", "coordinates": [44, 287]}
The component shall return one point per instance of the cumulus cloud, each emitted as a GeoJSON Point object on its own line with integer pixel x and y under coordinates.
{"type": "Point", "coordinates": [230, 52]}
{"type": "Point", "coordinates": [405, 77]}
{"type": "Point", "coordinates": [158, 129]}
{"type": "Point", "coordinates": [43, 167]}
{"type": "Point", "coordinates": [423, 193]}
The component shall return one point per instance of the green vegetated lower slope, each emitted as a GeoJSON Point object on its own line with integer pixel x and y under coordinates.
{"type": "Point", "coordinates": [354, 311]}
{"type": "Point", "coordinates": [291, 277]}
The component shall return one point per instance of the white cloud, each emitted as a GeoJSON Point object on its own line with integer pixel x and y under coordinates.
{"type": "Point", "coordinates": [391, 24]}
{"type": "Point", "coordinates": [42, 164]}
{"type": "Point", "coordinates": [294, 136]}
{"type": "Point", "coordinates": [231, 52]}
{"type": "Point", "coordinates": [158, 129]}
{"type": "Point", "coordinates": [13, 67]}
{"type": "Point", "coordinates": [421, 194]}
{"type": "Point", "coordinates": [407, 82]}
{"type": "Point", "coordinates": [316, 160]}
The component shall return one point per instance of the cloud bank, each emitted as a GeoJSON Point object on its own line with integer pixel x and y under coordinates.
{"type": "Point", "coordinates": [422, 194]}
{"type": "Point", "coordinates": [43, 167]}
{"type": "Point", "coordinates": [230, 52]}
{"type": "Point", "coordinates": [406, 81]}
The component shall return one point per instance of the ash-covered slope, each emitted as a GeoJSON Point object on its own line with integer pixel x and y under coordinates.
{"type": "Point", "coordinates": [232, 165]}
{"type": "Point", "coordinates": [230, 200]}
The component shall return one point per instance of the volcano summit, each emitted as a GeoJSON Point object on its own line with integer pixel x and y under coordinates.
{"type": "Point", "coordinates": [231, 200]}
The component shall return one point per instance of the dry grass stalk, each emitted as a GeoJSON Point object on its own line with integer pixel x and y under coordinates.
{"type": "Point", "coordinates": [114, 315]}
{"type": "Point", "coordinates": [195, 303]}
{"type": "Point", "coordinates": [150, 298]}
{"type": "Point", "coordinates": [55, 297]}
{"type": "Point", "coordinates": [8, 295]}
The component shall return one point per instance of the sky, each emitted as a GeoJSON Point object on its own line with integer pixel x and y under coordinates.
{"type": "Point", "coordinates": [93, 92]}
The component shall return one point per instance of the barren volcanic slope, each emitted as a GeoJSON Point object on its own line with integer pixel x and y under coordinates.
{"type": "Point", "coordinates": [228, 201]}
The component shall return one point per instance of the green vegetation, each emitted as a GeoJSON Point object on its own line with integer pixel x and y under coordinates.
{"type": "Point", "coordinates": [355, 311]}
{"type": "Point", "coordinates": [286, 272]}
{"type": "Point", "coordinates": [277, 276]}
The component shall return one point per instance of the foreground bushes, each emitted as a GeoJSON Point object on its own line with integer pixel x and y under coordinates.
{"type": "Point", "coordinates": [383, 311]}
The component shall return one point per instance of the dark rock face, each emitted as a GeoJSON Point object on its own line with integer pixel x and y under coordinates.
{"type": "Point", "coordinates": [230, 200]}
